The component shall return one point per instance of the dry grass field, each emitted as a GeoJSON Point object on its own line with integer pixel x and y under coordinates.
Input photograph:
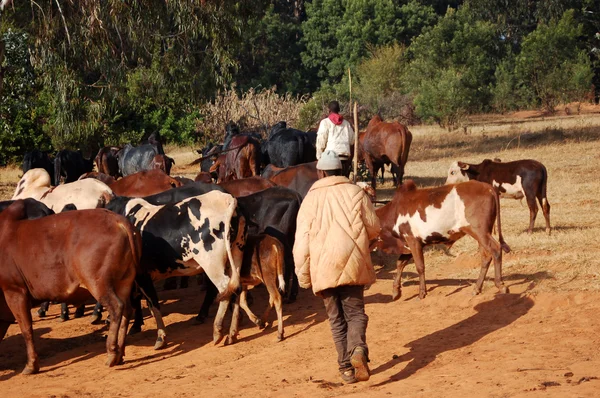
{"type": "Point", "coordinates": [540, 340]}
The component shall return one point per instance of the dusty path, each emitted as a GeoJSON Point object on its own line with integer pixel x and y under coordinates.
{"type": "Point", "coordinates": [450, 344]}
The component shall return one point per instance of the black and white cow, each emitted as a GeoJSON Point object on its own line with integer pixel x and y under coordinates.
{"type": "Point", "coordinates": [204, 233]}
{"type": "Point", "coordinates": [517, 180]}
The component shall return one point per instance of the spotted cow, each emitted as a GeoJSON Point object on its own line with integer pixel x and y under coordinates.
{"type": "Point", "coordinates": [416, 218]}
{"type": "Point", "coordinates": [517, 180]}
{"type": "Point", "coordinates": [204, 233]}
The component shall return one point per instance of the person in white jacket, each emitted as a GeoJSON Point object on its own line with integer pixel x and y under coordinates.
{"type": "Point", "coordinates": [336, 134]}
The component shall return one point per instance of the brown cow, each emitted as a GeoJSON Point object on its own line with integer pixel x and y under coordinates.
{"type": "Point", "coordinates": [162, 162]}
{"type": "Point", "coordinates": [242, 159]}
{"type": "Point", "coordinates": [247, 186]}
{"type": "Point", "coordinates": [66, 257]}
{"type": "Point", "coordinates": [386, 142]}
{"type": "Point", "coordinates": [419, 217]}
{"type": "Point", "coordinates": [377, 165]}
{"type": "Point", "coordinates": [299, 178]}
{"type": "Point", "coordinates": [144, 183]}
{"type": "Point", "coordinates": [204, 177]}
{"type": "Point", "coordinates": [107, 162]}
{"type": "Point", "coordinates": [517, 180]}
{"type": "Point", "coordinates": [263, 263]}
{"type": "Point", "coordinates": [105, 178]}
{"type": "Point", "coordinates": [220, 169]}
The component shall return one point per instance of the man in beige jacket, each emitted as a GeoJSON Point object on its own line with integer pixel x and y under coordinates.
{"type": "Point", "coordinates": [335, 224]}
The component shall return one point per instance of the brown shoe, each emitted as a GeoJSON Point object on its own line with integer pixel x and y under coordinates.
{"type": "Point", "coordinates": [359, 361]}
{"type": "Point", "coordinates": [348, 376]}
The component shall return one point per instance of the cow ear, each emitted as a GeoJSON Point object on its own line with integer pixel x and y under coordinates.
{"type": "Point", "coordinates": [463, 166]}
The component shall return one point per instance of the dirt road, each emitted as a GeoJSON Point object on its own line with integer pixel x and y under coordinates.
{"type": "Point", "coordinates": [450, 345]}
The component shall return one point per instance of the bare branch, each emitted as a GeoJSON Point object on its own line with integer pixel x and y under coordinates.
{"type": "Point", "coordinates": [64, 22]}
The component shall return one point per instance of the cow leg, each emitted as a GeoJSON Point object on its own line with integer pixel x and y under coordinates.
{"type": "Point", "coordinates": [20, 306]}
{"type": "Point", "coordinates": [403, 260]}
{"type": "Point", "coordinates": [80, 311]}
{"type": "Point", "coordinates": [125, 296]}
{"type": "Point", "coordinates": [138, 318]}
{"type": "Point", "coordinates": [43, 309]}
{"type": "Point", "coordinates": [3, 328]}
{"type": "Point", "coordinates": [145, 284]}
{"type": "Point", "coordinates": [416, 248]}
{"type": "Point", "coordinates": [546, 210]}
{"type": "Point", "coordinates": [486, 259]}
{"type": "Point", "coordinates": [235, 322]}
{"type": "Point", "coordinates": [244, 304]}
{"type": "Point", "coordinates": [115, 309]}
{"type": "Point", "coordinates": [274, 299]}
{"type": "Point", "coordinates": [97, 314]}
{"type": "Point", "coordinates": [533, 210]}
{"type": "Point", "coordinates": [489, 249]}
{"type": "Point", "coordinates": [64, 312]}
{"type": "Point", "coordinates": [218, 324]}
{"type": "Point", "coordinates": [209, 298]}
{"type": "Point", "coordinates": [369, 163]}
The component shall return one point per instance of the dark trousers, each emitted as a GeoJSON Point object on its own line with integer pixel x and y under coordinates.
{"type": "Point", "coordinates": [346, 166]}
{"type": "Point", "coordinates": [345, 307]}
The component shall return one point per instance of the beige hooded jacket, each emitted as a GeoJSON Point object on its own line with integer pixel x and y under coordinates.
{"type": "Point", "coordinates": [335, 224]}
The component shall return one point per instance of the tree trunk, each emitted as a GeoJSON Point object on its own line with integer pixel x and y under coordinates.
{"type": "Point", "coordinates": [2, 48]}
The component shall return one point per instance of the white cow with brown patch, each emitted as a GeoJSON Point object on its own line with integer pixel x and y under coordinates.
{"type": "Point", "coordinates": [516, 180]}
{"type": "Point", "coordinates": [416, 218]}
{"type": "Point", "coordinates": [84, 194]}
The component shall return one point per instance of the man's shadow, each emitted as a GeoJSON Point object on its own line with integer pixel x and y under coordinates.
{"type": "Point", "coordinates": [491, 316]}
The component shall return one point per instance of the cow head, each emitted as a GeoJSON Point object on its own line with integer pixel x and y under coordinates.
{"type": "Point", "coordinates": [458, 172]}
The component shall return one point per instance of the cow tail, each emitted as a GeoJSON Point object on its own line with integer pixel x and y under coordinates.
{"type": "Point", "coordinates": [234, 281]}
{"type": "Point", "coordinates": [503, 244]}
{"type": "Point", "coordinates": [135, 243]}
{"type": "Point", "coordinates": [278, 248]}
{"type": "Point", "coordinates": [543, 187]}
{"type": "Point", "coordinates": [57, 168]}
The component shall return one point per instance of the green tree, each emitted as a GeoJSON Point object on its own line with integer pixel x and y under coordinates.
{"type": "Point", "coordinates": [552, 65]}
{"type": "Point", "coordinates": [460, 53]}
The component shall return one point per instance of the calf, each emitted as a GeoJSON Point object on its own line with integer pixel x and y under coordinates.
{"type": "Point", "coordinates": [263, 263]}
{"type": "Point", "coordinates": [416, 218]}
{"type": "Point", "coordinates": [144, 183]}
{"type": "Point", "coordinates": [82, 260]}
{"type": "Point", "coordinates": [202, 233]}
{"type": "Point", "coordinates": [107, 161]}
{"type": "Point", "coordinates": [162, 162]}
{"type": "Point", "coordinates": [519, 179]}
{"type": "Point", "coordinates": [71, 165]}
{"type": "Point", "coordinates": [84, 194]}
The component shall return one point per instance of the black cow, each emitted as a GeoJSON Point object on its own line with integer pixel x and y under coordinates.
{"type": "Point", "coordinates": [288, 147]}
{"type": "Point", "coordinates": [33, 208]}
{"type": "Point", "coordinates": [71, 165]}
{"type": "Point", "coordinates": [38, 160]}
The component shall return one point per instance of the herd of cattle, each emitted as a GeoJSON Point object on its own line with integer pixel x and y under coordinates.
{"type": "Point", "coordinates": [111, 234]}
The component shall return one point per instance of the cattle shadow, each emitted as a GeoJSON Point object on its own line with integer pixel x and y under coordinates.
{"type": "Point", "coordinates": [491, 316]}
{"type": "Point", "coordinates": [49, 350]}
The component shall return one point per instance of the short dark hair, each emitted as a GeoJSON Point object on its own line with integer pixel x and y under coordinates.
{"type": "Point", "coordinates": [336, 172]}
{"type": "Point", "coordinates": [334, 107]}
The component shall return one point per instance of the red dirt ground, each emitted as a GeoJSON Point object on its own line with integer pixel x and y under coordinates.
{"type": "Point", "coordinates": [451, 344]}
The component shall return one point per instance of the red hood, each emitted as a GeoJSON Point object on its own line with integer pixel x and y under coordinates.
{"type": "Point", "coordinates": [336, 118]}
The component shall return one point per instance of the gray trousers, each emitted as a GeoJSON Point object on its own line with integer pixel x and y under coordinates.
{"type": "Point", "coordinates": [345, 308]}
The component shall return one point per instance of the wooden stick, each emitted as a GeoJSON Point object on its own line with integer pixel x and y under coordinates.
{"type": "Point", "coordinates": [355, 142]}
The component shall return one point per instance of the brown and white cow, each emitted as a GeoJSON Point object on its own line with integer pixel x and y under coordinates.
{"type": "Point", "coordinates": [517, 180]}
{"type": "Point", "coordinates": [263, 263]}
{"type": "Point", "coordinates": [88, 193]}
{"type": "Point", "coordinates": [162, 162]}
{"type": "Point", "coordinates": [66, 257]}
{"type": "Point", "coordinates": [416, 218]}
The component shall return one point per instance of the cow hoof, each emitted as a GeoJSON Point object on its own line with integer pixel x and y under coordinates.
{"type": "Point", "coordinates": [134, 329]}
{"type": "Point", "coordinates": [261, 324]}
{"type": "Point", "coordinates": [96, 319]}
{"type": "Point", "coordinates": [217, 337]}
{"type": "Point", "coordinates": [280, 337]}
{"type": "Point", "coordinates": [504, 290]}
{"type": "Point", "coordinates": [79, 313]}
{"type": "Point", "coordinates": [113, 359]}
{"type": "Point", "coordinates": [476, 292]}
{"type": "Point", "coordinates": [161, 343]}
{"type": "Point", "coordinates": [30, 370]}
{"type": "Point", "coordinates": [199, 319]}
{"type": "Point", "coordinates": [396, 294]}
{"type": "Point", "coordinates": [289, 300]}
{"type": "Point", "coordinates": [230, 340]}
{"type": "Point", "coordinates": [64, 318]}
{"type": "Point", "coordinates": [41, 313]}
{"type": "Point", "coordinates": [422, 296]}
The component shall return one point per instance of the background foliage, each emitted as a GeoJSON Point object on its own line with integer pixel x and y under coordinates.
{"type": "Point", "coordinates": [94, 72]}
